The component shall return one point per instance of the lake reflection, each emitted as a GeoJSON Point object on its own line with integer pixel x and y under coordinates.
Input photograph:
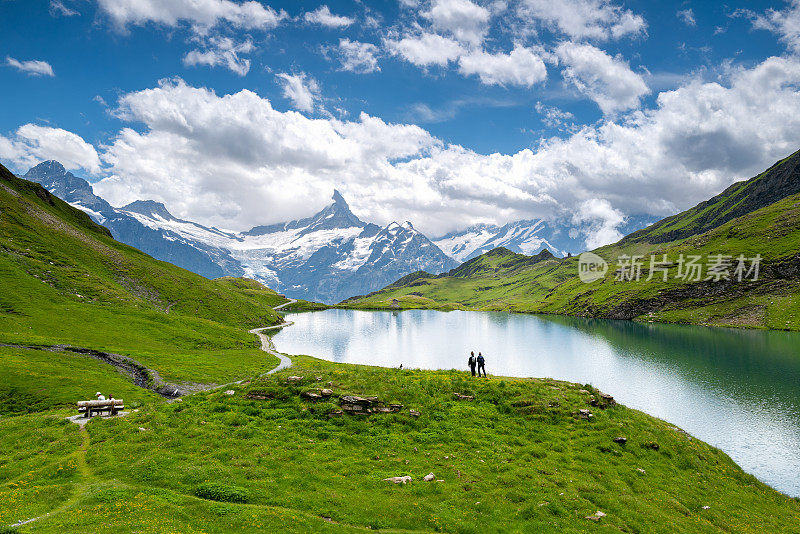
{"type": "Point", "coordinates": [735, 389]}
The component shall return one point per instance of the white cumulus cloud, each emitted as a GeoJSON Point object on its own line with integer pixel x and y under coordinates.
{"type": "Point", "coordinates": [465, 20]}
{"type": "Point", "coordinates": [425, 49]}
{"type": "Point", "coordinates": [607, 80]}
{"type": "Point", "coordinates": [222, 51]}
{"type": "Point", "coordinates": [323, 16]}
{"type": "Point", "coordinates": [200, 14]}
{"type": "Point", "coordinates": [358, 57]}
{"type": "Point", "coordinates": [522, 66]}
{"type": "Point", "coordinates": [583, 19]}
{"type": "Point", "coordinates": [31, 144]}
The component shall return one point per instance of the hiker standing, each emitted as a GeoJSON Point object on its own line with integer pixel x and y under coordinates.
{"type": "Point", "coordinates": [481, 365]}
{"type": "Point", "coordinates": [472, 362]}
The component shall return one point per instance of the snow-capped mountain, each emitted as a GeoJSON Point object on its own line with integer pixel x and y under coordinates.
{"type": "Point", "coordinates": [527, 237]}
{"type": "Point", "coordinates": [327, 257]}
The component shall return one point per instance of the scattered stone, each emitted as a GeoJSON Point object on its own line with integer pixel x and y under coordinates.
{"type": "Point", "coordinates": [352, 399]}
{"type": "Point", "coordinates": [642, 471]}
{"type": "Point", "coordinates": [586, 414]}
{"type": "Point", "coordinates": [652, 445]}
{"type": "Point", "coordinates": [620, 440]}
{"type": "Point", "coordinates": [608, 400]}
{"type": "Point", "coordinates": [142, 429]}
{"type": "Point", "coordinates": [415, 449]}
{"type": "Point", "coordinates": [596, 516]}
{"type": "Point", "coordinates": [318, 379]}
{"type": "Point", "coordinates": [334, 413]}
{"type": "Point", "coordinates": [459, 396]}
{"type": "Point", "coordinates": [583, 391]}
{"type": "Point", "coordinates": [396, 407]}
{"type": "Point", "coordinates": [294, 379]}
{"type": "Point", "coordinates": [256, 396]}
{"type": "Point", "coordinates": [706, 507]}
{"type": "Point", "coordinates": [398, 480]}
{"type": "Point", "coordinates": [414, 413]}
{"type": "Point", "coordinates": [429, 477]}
{"type": "Point", "coordinates": [311, 395]}
{"type": "Point", "coordinates": [554, 404]}
{"type": "Point", "coordinates": [326, 518]}
{"type": "Point", "coordinates": [326, 392]}
{"type": "Point", "coordinates": [382, 409]}
{"type": "Point", "coordinates": [230, 392]}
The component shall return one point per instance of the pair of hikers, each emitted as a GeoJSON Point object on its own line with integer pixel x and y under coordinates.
{"type": "Point", "coordinates": [480, 362]}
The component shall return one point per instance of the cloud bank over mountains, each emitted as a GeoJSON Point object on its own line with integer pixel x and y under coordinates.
{"type": "Point", "coordinates": [235, 159]}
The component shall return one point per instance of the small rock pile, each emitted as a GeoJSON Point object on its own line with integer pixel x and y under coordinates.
{"type": "Point", "coordinates": [354, 404]}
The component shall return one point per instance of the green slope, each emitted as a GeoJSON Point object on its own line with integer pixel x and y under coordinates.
{"type": "Point", "coordinates": [64, 280]}
{"type": "Point", "coordinates": [759, 216]}
{"type": "Point", "coordinates": [517, 458]}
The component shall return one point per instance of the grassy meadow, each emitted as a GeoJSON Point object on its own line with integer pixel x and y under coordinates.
{"type": "Point", "coordinates": [517, 458]}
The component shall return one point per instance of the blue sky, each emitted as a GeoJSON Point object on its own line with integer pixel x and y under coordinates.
{"type": "Point", "coordinates": [443, 112]}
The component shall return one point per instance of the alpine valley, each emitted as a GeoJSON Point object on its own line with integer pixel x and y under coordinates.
{"type": "Point", "coordinates": [327, 257]}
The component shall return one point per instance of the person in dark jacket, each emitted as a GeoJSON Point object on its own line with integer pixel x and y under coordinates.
{"type": "Point", "coordinates": [472, 362]}
{"type": "Point", "coordinates": [481, 365]}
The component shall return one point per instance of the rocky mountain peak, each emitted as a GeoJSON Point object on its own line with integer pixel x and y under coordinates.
{"type": "Point", "coordinates": [150, 208]}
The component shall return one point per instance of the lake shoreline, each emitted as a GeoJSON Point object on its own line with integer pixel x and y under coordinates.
{"type": "Point", "coordinates": [717, 402]}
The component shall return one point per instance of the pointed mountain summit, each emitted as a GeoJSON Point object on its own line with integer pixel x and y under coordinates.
{"type": "Point", "coordinates": [54, 177]}
{"type": "Point", "coordinates": [336, 215]}
{"type": "Point", "coordinates": [150, 208]}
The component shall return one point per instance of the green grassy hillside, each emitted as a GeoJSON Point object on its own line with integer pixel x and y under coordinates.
{"type": "Point", "coordinates": [502, 280]}
{"type": "Point", "coordinates": [517, 458]}
{"type": "Point", "coordinates": [64, 280]}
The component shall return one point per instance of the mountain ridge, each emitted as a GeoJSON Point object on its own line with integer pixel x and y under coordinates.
{"type": "Point", "coordinates": [766, 235]}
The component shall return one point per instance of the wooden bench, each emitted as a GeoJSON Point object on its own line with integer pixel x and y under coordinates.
{"type": "Point", "coordinates": [113, 406]}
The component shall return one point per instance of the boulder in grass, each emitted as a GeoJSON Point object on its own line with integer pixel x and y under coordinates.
{"type": "Point", "coordinates": [620, 440]}
{"type": "Point", "coordinates": [429, 477]}
{"type": "Point", "coordinates": [352, 399]}
{"type": "Point", "coordinates": [608, 400]}
{"type": "Point", "coordinates": [398, 480]}
{"type": "Point", "coordinates": [326, 392]}
{"type": "Point", "coordinates": [311, 395]}
{"type": "Point", "coordinates": [459, 396]}
{"type": "Point", "coordinates": [596, 516]}
{"type": "Point", "coordinates": [414, 413]}
{"type": "Point", "coordinates": [585, 414]}
{"type": "Point", "coordinates": [294, 379]}
{"type": "Point", "coordinates": [396, 407]}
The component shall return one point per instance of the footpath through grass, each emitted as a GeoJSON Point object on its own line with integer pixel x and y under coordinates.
{"type": "Point", "coordinates": [517, 458]}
